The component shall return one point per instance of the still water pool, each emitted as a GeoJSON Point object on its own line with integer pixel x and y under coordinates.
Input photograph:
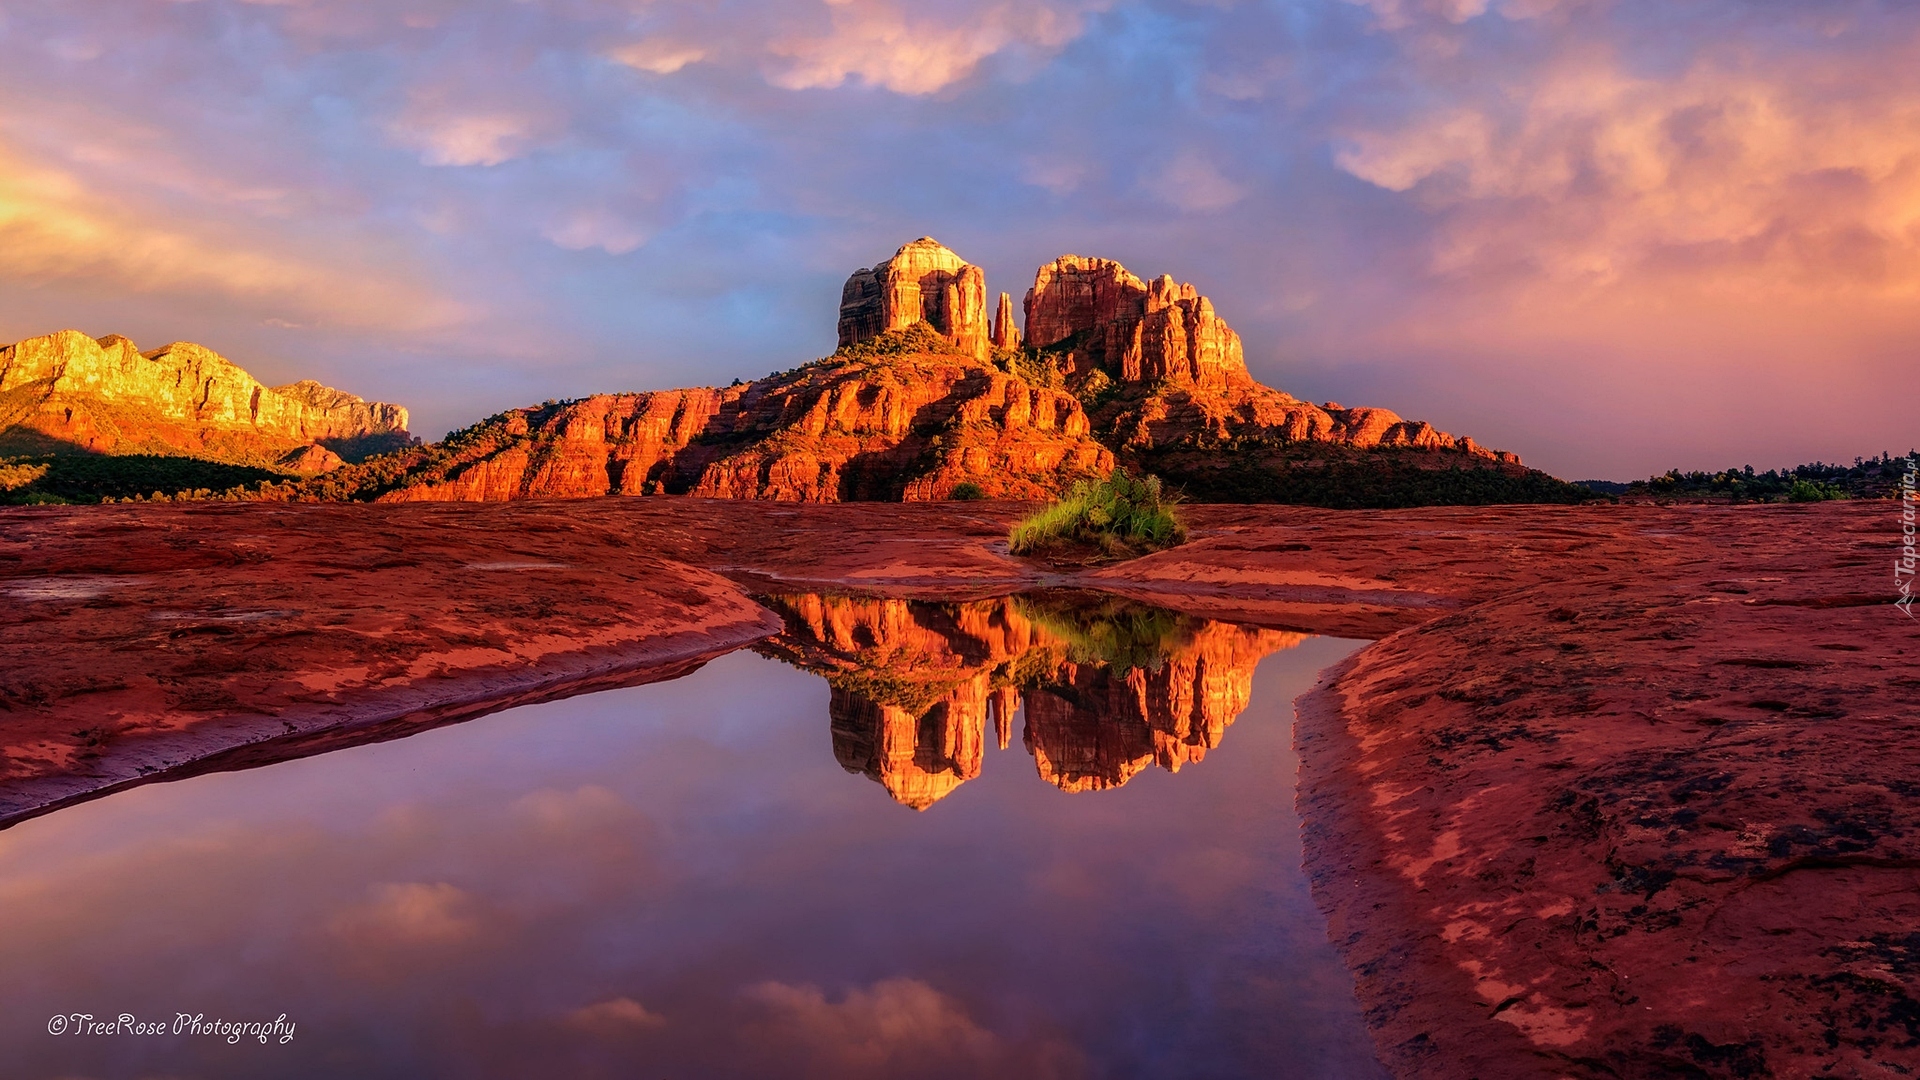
{"type": "Point", "coordinates": [999, 839]}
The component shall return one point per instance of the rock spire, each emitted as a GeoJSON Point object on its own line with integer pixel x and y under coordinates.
{"type": "Point", "coordinates": [1005, 334]}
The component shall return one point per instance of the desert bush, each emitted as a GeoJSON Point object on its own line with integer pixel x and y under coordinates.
{"type": "Point", "coordinates": [1813, 491]}
{"type": "Point", "coordinates": [1121, 515]}
{"type": "Point", "coordinates": [967, 490]}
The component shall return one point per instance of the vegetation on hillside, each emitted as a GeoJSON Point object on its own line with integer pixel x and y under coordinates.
{"type": "Point", "coordinates": [915, 339]}
{"type": "Point", "coordinates": [1345, 479]}
{"type": "Point", "coordinates": [1120, 516]}
{"type": "Point", "coordinates": [93, 478]}
{"type": "Point", "coordinates": [1866, 478]}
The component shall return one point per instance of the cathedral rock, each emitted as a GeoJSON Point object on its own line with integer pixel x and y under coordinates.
{"type": "Point", "coordinates": [1104, 318]}
{"type": "Point", "coordinates": [928, 397]}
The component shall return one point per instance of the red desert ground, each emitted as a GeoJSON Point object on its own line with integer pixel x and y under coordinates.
{"type": "Point", "coordinates": [1616, 789]}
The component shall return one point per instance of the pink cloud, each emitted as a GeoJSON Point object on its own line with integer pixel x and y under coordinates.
{"type": "Point", "coordinates": [895, 1027]}
{"type": "Point", "coordinates": [878, 42]}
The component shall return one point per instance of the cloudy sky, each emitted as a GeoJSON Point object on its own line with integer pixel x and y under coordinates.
{"type": "Point", "coordinates": [1612, 235]}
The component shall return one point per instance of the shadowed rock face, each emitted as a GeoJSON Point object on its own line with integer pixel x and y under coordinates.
{"type": "Point", "coordinates": [1107, 691]}
{"type": "Point", "coordinates": [67, 391]}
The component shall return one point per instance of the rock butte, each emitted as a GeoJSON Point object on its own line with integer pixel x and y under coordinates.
{"type": "Point", "coordinates": [67, 392]}
{"type": "Point", "coordinates": [915, 686]}
{"type": "Point", "coordinates": [923, 396]}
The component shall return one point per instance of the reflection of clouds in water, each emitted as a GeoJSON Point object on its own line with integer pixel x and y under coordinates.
{"type": "Point", "coordinates": [552, 810]}
{"type": "Point", "coordinates": [677, 877]}
{"type": "Point", "coordinates": [408, 913]}
{"type": "Point", "coordinates": [617, 1016]}
{"type": "Point", "coordinates": [895, 1027]}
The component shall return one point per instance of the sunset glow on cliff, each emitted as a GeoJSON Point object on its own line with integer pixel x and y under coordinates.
{"type": "Point", "coordinates": [1613, 236]}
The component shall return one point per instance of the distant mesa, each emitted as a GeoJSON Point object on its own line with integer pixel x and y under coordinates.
{"type": "Point", "coordinates": [69, 393]}
{"type": "Point", "coordinates": [1108, 689]}
{"type": "Point", "coordinates": [927, 393]}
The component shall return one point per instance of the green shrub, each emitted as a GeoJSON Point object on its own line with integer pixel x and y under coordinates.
{"type": "Point", "coordinates": [1121, 515]}
{"type": "Point", "coordinates": [1109, 631]}
{"type": "Point", "coordinates": [966, 490]}
{"type": "Point", "coordinates": [1813, 491]}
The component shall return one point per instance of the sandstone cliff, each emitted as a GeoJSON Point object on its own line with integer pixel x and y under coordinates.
{"type": "Point", "coordinates": [915, 685]}
{"type": "Point", "coordinates": [1169, 371]}
{"type": "Point", "coordinates": [924, 398]}
{"type": "Point", "coordinates": [923, 283]}
{"type": "Point", "coordinates": [1102, 318]}
{"type": "Point", "coordinates": [911, 424]}
{"type": "Point", "coordinates": [68, 392]}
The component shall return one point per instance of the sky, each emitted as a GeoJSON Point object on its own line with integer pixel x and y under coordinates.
{"type": "Point", "coordinates": [1613, 236]}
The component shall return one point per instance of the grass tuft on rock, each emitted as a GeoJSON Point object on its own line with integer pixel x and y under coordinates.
{"type": "Point", "coordinates": [1121, 516]}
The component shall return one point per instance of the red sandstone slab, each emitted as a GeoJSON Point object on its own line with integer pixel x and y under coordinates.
{"type": "Point", "coordinates": [1623, 791]}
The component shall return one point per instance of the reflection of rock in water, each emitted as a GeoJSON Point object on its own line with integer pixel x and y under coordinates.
{"type": "Point", "coordinates": [918, 759]}
{"type": "Point", "coordinates": [1091, 727]}
{"type": "Point", "coordinates": [1108, 688]}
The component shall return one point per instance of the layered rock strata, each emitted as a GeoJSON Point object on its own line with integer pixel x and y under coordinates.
{"type": "Point", "coordinates": [1182, 371]}
{"type": "Point", "coordinates": [1104, 318]}
{"type": "Point", "coordinates": [1005, 334]}
{"type": "Point", "coordinates": [1091, 727]}
{"type": "Point", "coordinates": [69, 392]}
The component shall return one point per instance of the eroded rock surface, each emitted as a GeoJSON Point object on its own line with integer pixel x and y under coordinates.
{"type": "Point", "coordinates": [1619, 790]}
{"type": "Point", "coordinates": [68, 392]}
{"type": "Point", "coordinates": [1655, 817]}
{"type": "Point", "coordinates": [911, 428]}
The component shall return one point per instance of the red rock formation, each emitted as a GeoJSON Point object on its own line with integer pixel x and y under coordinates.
{"type": "Point", "coordinates": [923, 282]}
{"type": "Point", "coordinates": [917, 403]}
{"type": "Point", "coordinates": [1111, 321]}
{"type": "Point", "coordinates": [918, 759]}
{"type": "Point", "coordinates": [910, 428]}
{"type": "Point", "coordinates": [1108, 725]}
{"type": "Point", "coordinates": [67, 391]}
{"type": "Point", "coordinates": [914, 685]}
{"type": "Point", "coordinates": [1005, 334]}
{"type": "Point", "coordinates": [1185, 368]}
{"type": "Point", "coordinates": [608, 444]}
{"type": "Point", "coordinates": [311, 460]}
